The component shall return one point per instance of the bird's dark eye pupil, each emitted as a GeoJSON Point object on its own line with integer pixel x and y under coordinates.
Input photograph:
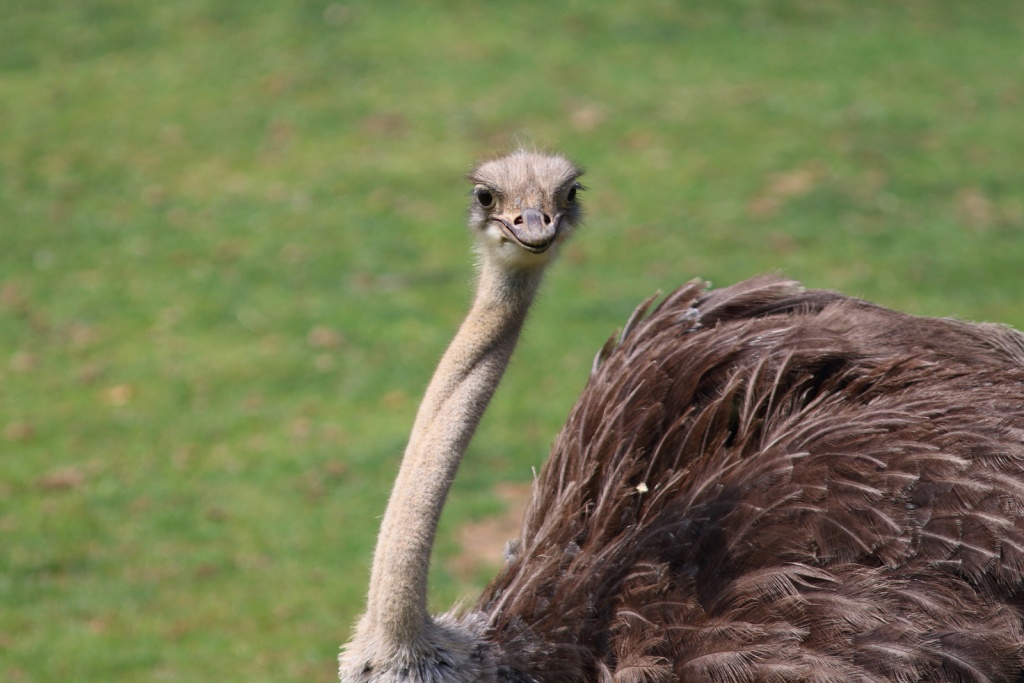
{"type": "Point", "coordinates": [485, 198]}
{"type": "Point", "coordinates": [571, 196]}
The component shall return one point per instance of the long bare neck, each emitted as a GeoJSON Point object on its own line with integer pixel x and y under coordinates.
{"type": "Point", "coordinates": [455, 400]}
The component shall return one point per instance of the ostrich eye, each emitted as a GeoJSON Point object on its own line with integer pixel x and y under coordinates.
{"type": "Point", "coordinates": [571, 195]}
{"type": "Point", "coordinates": [485, 198]}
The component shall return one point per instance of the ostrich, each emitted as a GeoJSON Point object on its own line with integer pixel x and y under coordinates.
{"type": "Point", "coordinates": [759, 483]}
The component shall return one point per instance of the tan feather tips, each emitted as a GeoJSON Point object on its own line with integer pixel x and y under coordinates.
{"type": "Point", "coordinates": [523, 204]}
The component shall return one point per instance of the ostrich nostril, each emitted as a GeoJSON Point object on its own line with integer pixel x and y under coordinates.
{"type": "Point", "coordinates": [544, 217]}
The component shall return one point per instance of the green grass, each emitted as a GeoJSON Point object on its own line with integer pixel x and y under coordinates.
{"type": "Point", "coordinates": [231, 252]}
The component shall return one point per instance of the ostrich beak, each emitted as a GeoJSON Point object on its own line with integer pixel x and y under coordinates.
{"type": "Point", "coordinates": [533, 230]}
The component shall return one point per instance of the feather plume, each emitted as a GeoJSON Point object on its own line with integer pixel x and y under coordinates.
{"type": "Point", "coordinates": [765, 483]}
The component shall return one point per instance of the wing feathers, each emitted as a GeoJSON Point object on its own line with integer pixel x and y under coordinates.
{"type": "Point", "coordinates": [763, 483]}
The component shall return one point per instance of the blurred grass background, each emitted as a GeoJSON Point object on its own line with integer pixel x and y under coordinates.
{"type": "Point", "coordinates": [231, 251]}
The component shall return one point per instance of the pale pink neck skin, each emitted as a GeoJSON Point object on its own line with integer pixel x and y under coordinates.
{"type": "Point", "coordinates": [455, 400]}
{"type": "Point", "coordinates": [524, 207]}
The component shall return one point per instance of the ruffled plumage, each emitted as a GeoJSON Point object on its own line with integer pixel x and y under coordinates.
{"type": "Point", "coordinates": [762, 483]}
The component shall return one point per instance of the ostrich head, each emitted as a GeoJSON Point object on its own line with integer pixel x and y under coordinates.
{"type": "Point", "coordinates": [524, 205]}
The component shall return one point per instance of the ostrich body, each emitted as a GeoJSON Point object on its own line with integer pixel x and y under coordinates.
{"type": "Point", "coordinates": [759, 483]}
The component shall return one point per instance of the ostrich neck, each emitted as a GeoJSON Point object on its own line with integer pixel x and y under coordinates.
{"type": "Point", "coordinates": [455, 400]}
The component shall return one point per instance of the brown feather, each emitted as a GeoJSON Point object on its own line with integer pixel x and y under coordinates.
{"type": "Point", "coordinates": [763, 483]}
